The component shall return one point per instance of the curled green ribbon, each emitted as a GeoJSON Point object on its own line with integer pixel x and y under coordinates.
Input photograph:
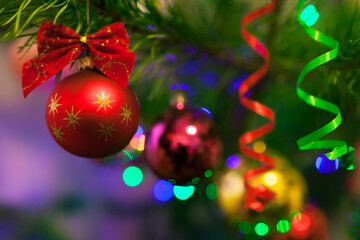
{"type": "Point", "coordinates": [312, 140]}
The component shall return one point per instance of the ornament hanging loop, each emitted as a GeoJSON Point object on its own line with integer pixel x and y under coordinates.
{"type": "Point", "coordinates": [86, 63]}
{"type": "Point", "coordinates": [83, 39]}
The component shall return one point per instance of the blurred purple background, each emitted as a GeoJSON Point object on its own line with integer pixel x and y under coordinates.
{"type": "Point", "coordinates": [45, 189]}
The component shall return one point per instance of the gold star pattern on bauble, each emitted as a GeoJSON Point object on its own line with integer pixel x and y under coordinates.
{"type": "Point", "coordinates": [72, 118]}
{"type": "Point", "coordinates": [105, 130]}
{"type": "Point", "coordinates": [54, 105]}
{"type": "Point", "coordinates": [103, 101]}
{"type": "Point", "coordinates": [57, 132]}
{"type": "Point", "coordinates": [126, 114]}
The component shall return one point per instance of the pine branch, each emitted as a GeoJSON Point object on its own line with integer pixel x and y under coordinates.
{"type": "Point", "coordinates": [210, 26]}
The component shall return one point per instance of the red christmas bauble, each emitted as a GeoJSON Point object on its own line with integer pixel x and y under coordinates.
{"type": "Point", "coordinates": [182, 144]}
{"type": "Point", "coordinates": [91, 116]}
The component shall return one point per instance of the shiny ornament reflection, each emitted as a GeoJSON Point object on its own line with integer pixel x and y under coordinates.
{"type": "Point", "coordinates": [182, 145]}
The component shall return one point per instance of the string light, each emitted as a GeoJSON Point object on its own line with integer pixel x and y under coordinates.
{"type": "Point", "coordinates": [233, 161]}
{"type": "Point", "coordinates": [132, 176]}
{"type": "Point", "coordinates": [283, 226]}
{"type": "Point", "coordinates": [212, 191]}
{"type": "Point", "coordinates": [245, 227]}
{"type": "Point", "coordinates": [261, 229]}
{"type": "Point", "coordinates": [208, 173]}
{"type": "Point", "coordinates": [163, 190]}
{"type": "Point", "coordinates": [183, 192]}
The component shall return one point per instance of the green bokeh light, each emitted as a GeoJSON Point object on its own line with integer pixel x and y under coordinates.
{"type": "Point", "coordinates": [310, 15]}
{"type": "Point", "coordinates": [283, 226]}
{"type": "Point", "coordinates": [208, 173]}
{"type": "Point", "coordinates": [129, 154]}
{"type": "Point", "coordinates": [245, 227]}
{"type": "Point", "coordinates": [172, 181]}
{"type": "Point", "coordinates": [294, 213]}
{"type": "Point", "coordinates": [195, 180]}
{"type": "Point", "coordinates": [351, 167]}
{"type": "Point", "coordinates": [132, 176]}
{"type": "Point", "coordinates": [261, 229]}
{"type": "Point", "coordinates": [183, 192]}
{"type": "Point", "coordinates": [212, 191]}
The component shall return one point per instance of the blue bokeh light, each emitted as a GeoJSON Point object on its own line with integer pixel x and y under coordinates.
{"type": "Point", "coordinates": [190, 68]}
{"type": "Point", "coordinates": [190, 49]}
{"type": "Point", "coordinates": [233, 87]}
{"type": "Point", "coordinates": [139, 132]}
{"type": "Point", "coordinates": [163, 190]}
{"type": "Point", "coordinates": [179, 86]}
{"type": "Point", "coordinates": [206, 111]}
{"type": "Point", "coordinates": [151, 28]}
{"type": "Point", "coordinates": [239, 80]}
{"type": "Point", "coordinates": [324, 165]}
{"type": "Point", "coordinates": [170, 57]}
{"type": "Point", "coordinates": [233, 161]}
{"type": "Point", "coordinates": [209, 79]}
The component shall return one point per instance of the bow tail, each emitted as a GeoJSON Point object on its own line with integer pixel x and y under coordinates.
{"type": "Point", "coordinates": [117, 67]}
{"type": "Point", "coordinates": [39, 69]}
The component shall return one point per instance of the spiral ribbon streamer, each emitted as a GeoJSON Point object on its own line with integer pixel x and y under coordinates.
{"type": "Point", "coordinates": [258, 196]}
{"type": "Point", "coordinates": [312, 140]}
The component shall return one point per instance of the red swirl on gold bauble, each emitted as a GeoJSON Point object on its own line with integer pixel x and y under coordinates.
{"type": "Point", "coordinates": [91, 116]}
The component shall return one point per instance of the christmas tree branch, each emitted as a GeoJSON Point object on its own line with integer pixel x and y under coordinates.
{"type": "Point", "coordinates": [211, 27]}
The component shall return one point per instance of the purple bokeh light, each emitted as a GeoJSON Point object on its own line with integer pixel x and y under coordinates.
{"type": "Point", "coordinates": [233, 161]}
{"type": "Point", "coordinates": [209, 79]}
{"type": "Point", "coordinates": [163, 190]}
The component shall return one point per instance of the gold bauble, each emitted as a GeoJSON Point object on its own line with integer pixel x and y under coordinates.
{"type": "Point", "coordinates": [284, 180]}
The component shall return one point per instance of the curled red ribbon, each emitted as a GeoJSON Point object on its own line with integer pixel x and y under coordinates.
{"type": "Point", "coordinates": [256, 196]}
{"type": "Point", "coordinates": [59, 45]}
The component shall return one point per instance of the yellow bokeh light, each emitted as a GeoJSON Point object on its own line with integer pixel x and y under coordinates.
{"type": "Point", "coordinates": [135, 142]}
{"type": "Point", "coordinates": [141, 145]}
{"type": "Point", "coordinates": [270, 179]}
{"type": "Point", "coordinates": [259, 146]}
{"type": "Point", "coordinates": [231, 192]}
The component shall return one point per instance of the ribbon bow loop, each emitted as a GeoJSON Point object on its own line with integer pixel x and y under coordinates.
{"type": "Point", "coordinates": [59, 45]}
